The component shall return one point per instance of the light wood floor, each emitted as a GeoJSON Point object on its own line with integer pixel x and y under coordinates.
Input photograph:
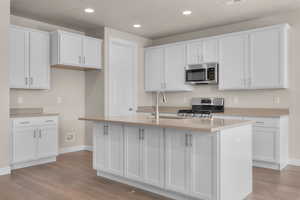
{"type": "Point", "coordinates": [72, 178]}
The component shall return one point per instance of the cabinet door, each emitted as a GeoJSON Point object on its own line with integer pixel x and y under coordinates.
{"type": "Point", "coordinates": [70, 49]}
{"type": "Point", "coordinates": [92, 52]}
{"type": "Point", "coordinates": [100, 147]}
{"type": "Point", "coordinates": [177, 161]}
{"type": "Point", "coordinates": [203, 166]}
{"type": "Point", "coordinates": [39, 60]}
{"type": "Point", "coordinates": [265, 61]}
{"type": "Point", "coordinates": [47, 142]}
{"type": "Point", "coordinates": [154, 69]}
{"type": "Point", "coordinates": [194, 53]}
{"type": "Point", "coordinates": [24, 144]}
{"type": "Point", "coordinates": [175, 62]}
{"type": "Point", "coordinates": [18, 58]}
{"type": "Point", "coordinates": [115, 150]}
{"type": "Point", "coordinates": [153, 156]}
{"type": "Point", "coordinates": [210, 51]}
{"type": "Point", "coordinates": [264, 144]}
{"type": "Point", "coordinates": [133, 153]}
{"type": "Point", "coordinates": [233, 62]}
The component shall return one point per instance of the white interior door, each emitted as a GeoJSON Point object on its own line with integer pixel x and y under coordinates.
{"type": "Point", "coordinates": [39, 60]}
{"type": "Point", "coordinates": [122, 78]}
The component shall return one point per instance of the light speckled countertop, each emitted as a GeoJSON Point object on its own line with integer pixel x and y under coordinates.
{"type": "Point", "coordinates": [202, 125]}
{"type": "Point", "coordinates": [244, 112]}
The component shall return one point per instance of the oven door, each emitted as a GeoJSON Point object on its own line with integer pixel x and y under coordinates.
{"type": "Point", "coordinates": [196, 76]}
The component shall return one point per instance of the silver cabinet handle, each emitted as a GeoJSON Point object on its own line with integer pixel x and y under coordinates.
{"type": "Point", "coordinates": [26, 80]}
{"type": "Point", "coordinates": [31, 81]}
{"type": "Point", "coordinates": [105, 130]}
{"type": "Point", "coordinates": [186, 140]}
{"type": "Point", "coordinates": [190, 137]}
{"type": "Point", "coordinates": [143, 134]}
{"type": "Point", "coordinates": [24, 122]}
{"type": "Point", "coordinates": [34, 133]}
{"type": "Point", "coordinates": [47, 121]}
{"type": "Point", "coordinates": [83, 59]}
{"type": "Point", "coordinates": [140, 133]}
{"type": "Point", "coordinates": [79, 59]}
{"type": "Point", "coordinates": [40, 133]}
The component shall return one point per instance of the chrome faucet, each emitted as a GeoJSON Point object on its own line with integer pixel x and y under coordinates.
{"type": "Point", "coordinates": [164, 99]}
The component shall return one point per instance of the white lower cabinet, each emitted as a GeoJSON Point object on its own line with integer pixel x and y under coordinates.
{"type": "Point", "coordinates": [144, 154]}
{"type": "Point", "coordinates": [108, 143]}
{"type": "Point", "coordinates": [269, 141]}
{"type": "Point", "coordinates": [177, 166]}
{"type": "Point", "coordinates": [190, 161]}
{"type": "Point", "coordinates": [176, 163]}
{"type": "Point", "coordinates": [33, 139]}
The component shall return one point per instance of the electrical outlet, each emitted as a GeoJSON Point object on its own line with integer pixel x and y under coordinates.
{"type": "Point", "coordinates": [70, 137]}
{"type": "Point", "coordinates": [20, 100]}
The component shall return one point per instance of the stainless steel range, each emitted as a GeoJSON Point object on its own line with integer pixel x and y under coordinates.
{"type": "Point", "coordinates": [203, 108]}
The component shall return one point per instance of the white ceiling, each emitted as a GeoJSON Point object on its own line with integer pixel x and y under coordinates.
{"type": "Point", "coordinates": [158, 17]}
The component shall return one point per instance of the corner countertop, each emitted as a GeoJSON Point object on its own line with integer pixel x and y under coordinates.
{"type": "Point", "coordinates": [201, 125]}
{"type": "Point", "coordinates": [244, 112]}
{"type": "Point", "coordinates": [25, 115]}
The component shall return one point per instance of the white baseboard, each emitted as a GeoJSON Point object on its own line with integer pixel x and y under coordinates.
{"type": "Point", "coordinates": [75, 149]}
{"type": "Point", "coordinates": [5, 171]}
{"type": "Point", "coordinates": [294, 162]}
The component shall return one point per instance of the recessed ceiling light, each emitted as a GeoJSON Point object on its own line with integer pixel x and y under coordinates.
{"type": "Point", "coordinates": [232, 2]}
{"type": "Point", "coordinates": [89, 10]}
{"type": "Point", "coordinates": [187, 12]}
{"type": "Point", "coordinates": [137, 26]}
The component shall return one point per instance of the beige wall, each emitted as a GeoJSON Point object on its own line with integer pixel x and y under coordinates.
{"type": "Point", "coordinates": [4, 91]}
{"type": "Point", "coordinates": [260, 98]}
{"type": "Point", "coordinates": [69, 85]}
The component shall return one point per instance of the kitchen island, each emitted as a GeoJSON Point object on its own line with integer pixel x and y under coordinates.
{"type": "Point", "coordinates": [209, 159]}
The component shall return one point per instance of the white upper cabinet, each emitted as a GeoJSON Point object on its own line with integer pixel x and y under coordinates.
{"type": "Point", "coordinates": [202, 51]}
{"type": "Point", "coordinates": [75, 50]}
{"type": "Point", "coordinates": [268, 67]}
{"type": "Point", "coordinates": [233, 50]}
{"type": "Point", "coordinates": [164, 68]}
{"type": "Point", "coordinates": [210, 50]}
{"type": "Point", "coordinates": [70, 49]}
{"type": "Point", "coordinates": [154, 69]}
{"type": "Point", "coordinates": [19, 60]}
{"type": "Point", "coordinates": [92, 52]}
{"type": "Point", "coordinates": [175, 62]}
{"type": "Point", "coordinates": [255, 59]}
{"type": "Point", "coordinates": [29, 59]}
{"type": "Point", "coordinates": [195, 53]}
{"type": "Point", "coordinates": [39, 60]}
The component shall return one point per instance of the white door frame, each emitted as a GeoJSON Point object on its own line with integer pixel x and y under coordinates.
{"type": "Point", "coordinates": [108, 75]}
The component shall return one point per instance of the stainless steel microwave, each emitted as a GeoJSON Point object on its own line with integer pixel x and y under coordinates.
{"type": "Point", "coordinates": [206, 73]}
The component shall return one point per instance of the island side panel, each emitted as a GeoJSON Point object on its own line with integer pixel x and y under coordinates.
{"type": "Point", "coordinates": [235, 163]}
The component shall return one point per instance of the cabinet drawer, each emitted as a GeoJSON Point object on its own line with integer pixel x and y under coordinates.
{"type": "Point", "coordinates": [48, 121]}
{"type": "Point", "coordinates": [266, 122]}
{"type": "Point", "coordinates": [36, 121]}
{"type": "Point", "coordinates": [24, 122]}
